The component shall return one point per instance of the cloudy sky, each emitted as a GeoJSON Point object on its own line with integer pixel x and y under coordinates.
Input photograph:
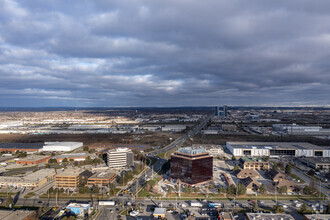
{"type": "Point", "coordinates": [164, 53]}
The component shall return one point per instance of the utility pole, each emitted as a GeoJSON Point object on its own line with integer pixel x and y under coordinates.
{"type": "Point", "coordinates": [176, 202]}
{"type": "Point", "coordinates": [56, 198]}
{"type": "Point", "coordinates": [137, 188]}
{"type": "Point", "coordinates": [275, 194]}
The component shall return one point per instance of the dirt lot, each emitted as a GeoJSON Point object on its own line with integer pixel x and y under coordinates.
{"type": "Point", "coordinates": [150, 139]}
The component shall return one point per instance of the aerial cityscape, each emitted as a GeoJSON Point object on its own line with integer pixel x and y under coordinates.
{"type": "Point", "coordinates": [141, 110]}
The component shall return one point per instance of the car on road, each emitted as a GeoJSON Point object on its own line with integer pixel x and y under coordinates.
{"type": "Point", "coordinates": [39, 201]}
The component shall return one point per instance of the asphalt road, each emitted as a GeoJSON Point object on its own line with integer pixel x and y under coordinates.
{"type": "Point", "coordinates": [160, 161]}
{"type": "Point", "coordinates": [308, 180]}
{"type": "Point", "coordinates": [182, 139]}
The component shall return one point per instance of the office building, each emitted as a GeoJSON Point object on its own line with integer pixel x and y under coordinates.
{"type": "Point", "coordinates": [250, 184]}
{"type": "Point", "coordinates": [225, 110]}
{"type": "Point", "coordinates": [61, 146]}
{"type": "Point", "coordinates": [72, 178]}
{"type": "Point", "coordinates": [101, 178]}
{"type": "Point", "coordinates": [254, 163]}
{"type": "Point", "coordinates": [32, 160]}
{"type": "Point", "coordinates": [216, 111]}
{"type": "Point", "coordinates": [192, 166]}
{"type": "Point", "coordinates": [291, 186]}
{"type": "Point", "coordinates": [120, 158]}
{"type": "Point", "coordinates": [248, 173]}
{"type": "Point", "coordinates": [30, 181]}
{"type": "Point", "coordinates": [275, 176]}
{"type": "Point", "coordinates": [276, 149]}
{"type": "Point", "coordinates": [23, 147]}
{"type": "Point", "coordinates": [268, 216]}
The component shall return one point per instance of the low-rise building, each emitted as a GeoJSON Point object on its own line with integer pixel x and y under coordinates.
{"type": "Point", "coordinates": [276, 149]}
{"type": "Point", "coordinates": [61, 146]}
{"type": "Point", "coordinates": [229, 127]}
{"type": "Point", "coordinates": [101, 178]}
{"type": "Point", "coordinates": [23, 147]}
{"type": "Point", "coordinates": [33, 159]}
{"type": "Point", "coordinates": [248, 173]}
{"type": "Point", "coordinates": [18, 215]}
{"type": "Point", "coordinates": [79, 208]}
{"type": "Point", "coordinates": [72, 156]}
{"type": "Point", "coordinates": [290, 185]}
{"type": "Point", "coordinates": [317, 163]}
{"type": "Point", "coordinates": [173, 128]}
{"type": "Point", "coordinates": [32, 180]}
{"type": "Point", "coordinates": [159, 213]}
{"type": "Point", "coordinates": [225, 216]}
{"type": "Point", "coordinates": [250, 184]}
{"type": "Point", "coordinates": [254, 163]}
{"type": "Point", "coordinates": [275, 175]}
{"type": "Point", "coordinates": [71, 178]}
{"type": "Point", "coordinates": [212, 149]}
{"type": "Point", "coordinates": [317, 217]}
{"type": "Point", "coordinates": [268, 216]}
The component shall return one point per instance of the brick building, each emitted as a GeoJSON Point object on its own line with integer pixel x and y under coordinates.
{"type": "Point", "coordinates": [33, 159]}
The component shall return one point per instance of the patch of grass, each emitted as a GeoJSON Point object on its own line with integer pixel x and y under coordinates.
{"type": "Point", "coordinates": [161, 155]}
{"type": "Point", "coordinates": [22, 168]}
{"type": "Point", "coordinates": [294, 176]}
{"type": "Point", "coordinates": [145, 193]}
{"type": "Point", "coordinates": [152, 161]}
{"type": "Point", "coordinates": [74, 196]}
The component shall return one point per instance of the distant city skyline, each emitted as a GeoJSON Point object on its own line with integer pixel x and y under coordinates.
{"type": "Point", "coordinates": [164, 54]}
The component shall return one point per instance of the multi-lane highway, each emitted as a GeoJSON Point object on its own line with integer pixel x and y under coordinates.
{"type": "Point", "coordinates": [160, 162]}
{"type": "Point", "coordinates": [182, 139]}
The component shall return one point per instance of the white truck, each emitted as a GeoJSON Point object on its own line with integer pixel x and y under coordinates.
{"type": "Point", "coordinates": [105, 203]}
{"type": "Point", "coordinates": [195, 204]}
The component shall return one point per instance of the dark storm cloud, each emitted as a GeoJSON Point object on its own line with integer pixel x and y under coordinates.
{"type": "Point", "coordinates": [164, 53]}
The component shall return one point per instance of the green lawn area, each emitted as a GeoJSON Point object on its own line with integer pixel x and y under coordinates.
{"type": "Point", "coordinates": [152, 161]}
{"type": "Point", "coordinates": [29, 195]}
{"type": "Point", "coordinates": [4, 194]}
{"type": "Point", "coordinates": [294, 176]}
{"type": "Point", "coordinates": [161, 155]}
{"type": "Point", "coordinates": [22, 168]}
{"type": "Point", "coordinates": [74, 196]}
{"type": "Point", "coordinates": [145, 193]}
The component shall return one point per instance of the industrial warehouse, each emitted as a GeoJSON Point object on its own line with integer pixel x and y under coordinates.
{"type": "Point", "coordinates": [32, 180]}
{"type": "Point", "coordinates": [276, 149]}
{"type": "Point", "coordinates": [38, 147]}
{"type": "Point", "coordinates": [26, 147]}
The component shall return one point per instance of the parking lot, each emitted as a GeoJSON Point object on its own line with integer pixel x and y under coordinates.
{"type": "Point", "coordinates": [219, 168]}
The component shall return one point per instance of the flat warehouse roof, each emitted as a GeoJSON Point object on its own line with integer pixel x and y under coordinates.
{"type": "Point", "coordinates": [21, 145]}
{"type": "Point", "coordinates": [70, 155]}
{"type": "Point", "coordinates": [276, 145]}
